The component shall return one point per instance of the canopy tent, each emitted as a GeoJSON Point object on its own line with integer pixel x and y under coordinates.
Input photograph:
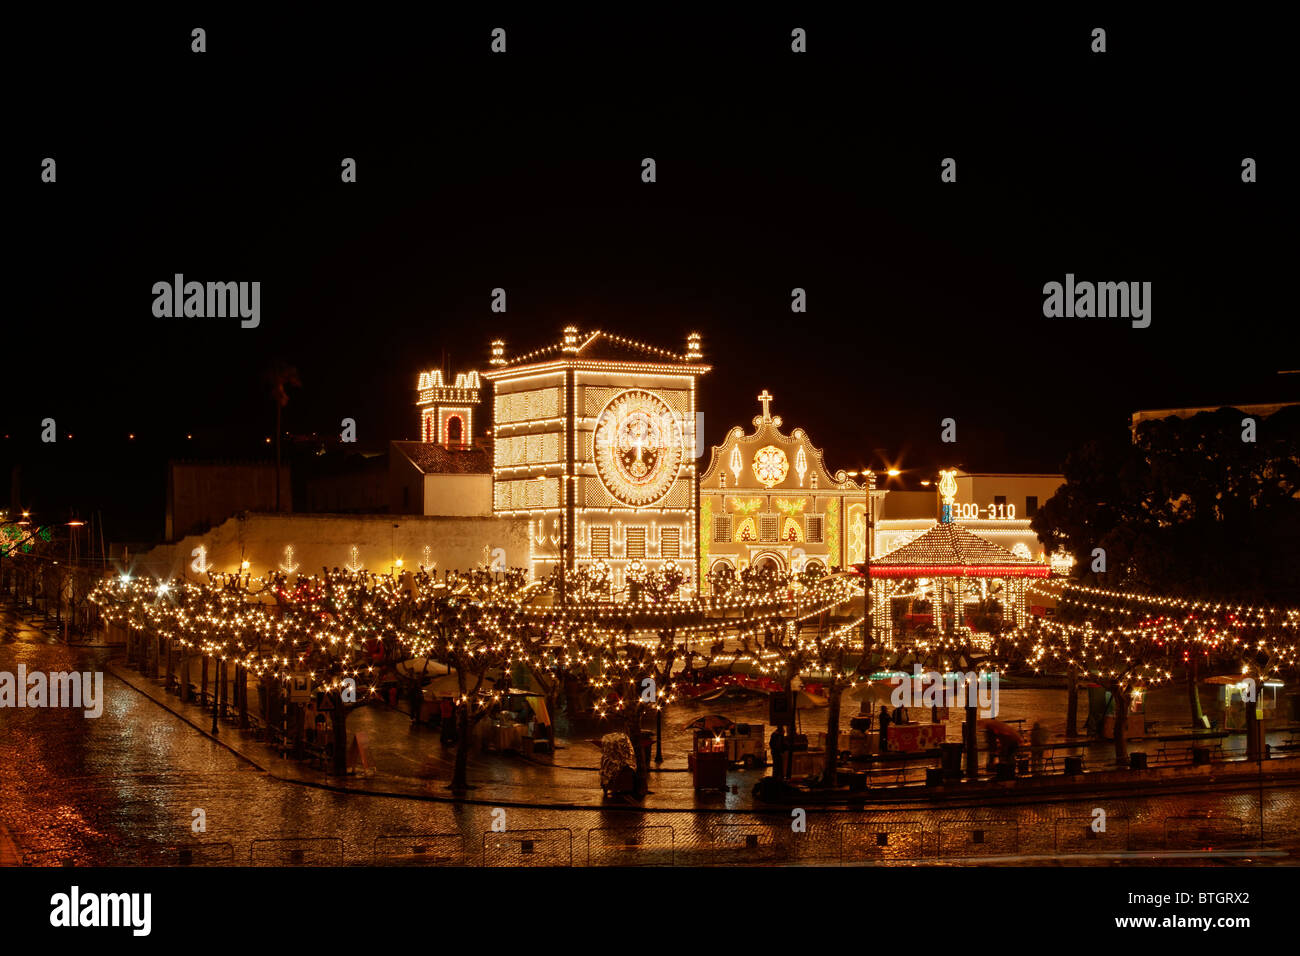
{"type": "Point", "coordinates": [957, 561]}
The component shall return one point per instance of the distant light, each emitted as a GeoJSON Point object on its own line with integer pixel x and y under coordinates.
{"type": "Point", "coordinates": [243, 566]}
{"type": "Point", "coordinates": [131, 436]}
{"type": "Point", "coordinates": [268, 441]}
{"type": "Point", "coordinates": [893, 472]}
{"type": "Point", "coordinates": [125, 578]}
{"type": "Point", "coordinates": [399, 562]}
{"type": "Point", "coordinates": [163, 588]}
{"type": "Point", "coordinates": [189, 436]}
{"type": "Point", "coordinates": [926, 483]}
{"type": "Point", "coordinates": [75, 524]}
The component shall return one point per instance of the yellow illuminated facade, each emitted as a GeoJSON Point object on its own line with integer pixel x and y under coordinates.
{"type": "Point", "coordinates": [595, 442]}
{"type": "Point", "coordinates": [767, 499]}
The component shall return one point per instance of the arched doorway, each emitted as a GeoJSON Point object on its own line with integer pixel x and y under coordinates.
{"type": "Point", "coordinates": [767, 561]}
{"type": "Point", "coordinates": [454, 429]}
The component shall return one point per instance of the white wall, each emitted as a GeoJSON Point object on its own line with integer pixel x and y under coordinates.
{"type": "Point", "coordinates": [327, 541]}
{"type": "Point", "coordinates": [458, 495]}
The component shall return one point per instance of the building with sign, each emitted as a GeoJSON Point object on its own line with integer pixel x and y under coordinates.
{"type": "Point", "coordinates": [997, 507]}
{"type": "Point", "coordinates": [949, 578]}
{"type": "Point", "coordinates": [594, 441]}
{"type": "Point", "coordinates": [768, 499]}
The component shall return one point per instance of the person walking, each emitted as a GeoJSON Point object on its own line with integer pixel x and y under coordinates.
{"type": "Point", "coordinates": [884, 728]}
{"type": "Point", "coordinates": [777, 745]}
{"type": "Point", "coordinates": [1037, 742]}
{"type": "Point", "coordinates": [416, 700]}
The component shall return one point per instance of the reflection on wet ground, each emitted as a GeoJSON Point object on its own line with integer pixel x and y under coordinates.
{"type": "Point", "coordinates": [107, 790]}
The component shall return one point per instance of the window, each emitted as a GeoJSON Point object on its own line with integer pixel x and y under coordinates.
{"type": "Point", "coordinates": [1031, 505]}
{"type": "Point", "coordinates": [635, 541]}
{"type": "Point", "coordinates": [600, 543]}
{"type": "Point", "coordinates": [722, 527]}
{"type": "Point", "coordinates": [767, 528]}
{"type": "Point", "coordinates": [999, 499]}
{"type": "Point", "coordinates": [670, 543]}
{"type": "Point", "coordinates": [813, 529]}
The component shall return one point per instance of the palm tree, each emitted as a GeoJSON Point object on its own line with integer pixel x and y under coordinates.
{"type": "Point", "coordinates": [280, 376]}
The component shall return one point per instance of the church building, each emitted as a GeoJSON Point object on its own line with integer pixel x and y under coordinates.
{"type": "Point", "coordinates": [594, 441]}
{"type": "Point", "coordinates": [768, 500]}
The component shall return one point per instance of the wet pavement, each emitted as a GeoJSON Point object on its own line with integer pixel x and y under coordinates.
{"type": "Point", "coordinates": [124, 788]}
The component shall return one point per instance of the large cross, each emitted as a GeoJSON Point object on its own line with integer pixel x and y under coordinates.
{"type": "Point", "coordinates": [766, 399]}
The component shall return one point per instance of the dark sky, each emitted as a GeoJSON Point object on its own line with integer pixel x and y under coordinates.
{"type": "Point", "coordinates": [523, 171]}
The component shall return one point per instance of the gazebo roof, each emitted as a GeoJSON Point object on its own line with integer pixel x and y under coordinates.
{"type": "Point", "coordinates": [950, 551]}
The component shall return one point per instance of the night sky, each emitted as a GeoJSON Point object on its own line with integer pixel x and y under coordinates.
{"type": "Point", "coordinates": [523, 171]}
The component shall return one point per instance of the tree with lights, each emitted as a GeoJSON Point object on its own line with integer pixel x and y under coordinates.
{"type": "Point", "coordinates": [464, 623]}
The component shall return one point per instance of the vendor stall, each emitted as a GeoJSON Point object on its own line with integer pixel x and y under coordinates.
{"type": "Point", "coordinates": [708, 760]}
{"type": "Point", "coordinates": [915, 737]}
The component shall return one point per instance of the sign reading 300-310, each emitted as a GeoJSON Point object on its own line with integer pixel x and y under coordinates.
{"type": "Point", "coordinates": [637, 447]}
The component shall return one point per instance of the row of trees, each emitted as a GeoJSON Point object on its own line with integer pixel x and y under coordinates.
{"type": "Point", "coordinates": [337, 626]}
{"type": "Point", "coordinates": [1167, 525]}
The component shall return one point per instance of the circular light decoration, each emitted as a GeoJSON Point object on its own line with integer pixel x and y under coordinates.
{"type": "Point", "coordinates": [771, 465]}
{"type": "Point", "coordinates": [637, 447]}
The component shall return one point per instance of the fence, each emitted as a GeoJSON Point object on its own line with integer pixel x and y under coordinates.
{"type": "Point", "coordinates": [1204, 833]}
{"type": "Point", "coordinates": [875, 840]}
{"type": "Point", "coordinates": [978, 838]}
{"type": "Point", "coordinates": [297, 851]}
{"type": "Point", "coordinates": [548, 847]}
{"type": "Point", "coordinates": [1080, 834]}
{"type": "Point", "coordinates": [419, 849]}
{"type": "Point", "coordinates": [884, 841]}
{"type": "Point", "coordinates": [631, 846]}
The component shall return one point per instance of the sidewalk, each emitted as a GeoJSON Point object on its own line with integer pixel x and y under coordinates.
{"type": "Point", "coordinates": [413, 763]}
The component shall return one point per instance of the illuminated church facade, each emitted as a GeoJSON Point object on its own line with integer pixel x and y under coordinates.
{"type": "Point", "coordinates": [594, 442]}
{"type": "Point", "coordinates": [767, 499]}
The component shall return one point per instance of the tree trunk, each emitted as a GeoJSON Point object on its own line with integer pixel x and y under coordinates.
{"type": "Point", "coordinates": [459, 777]}
{"type": "Point", "coordinates": [1072, 703]}
{"type": "Point", "coordinates": [1121, 725]}
{"type": "Point", "coordinates": [340, 735]}
{"type": "Point", "coordinates": [634, 734]}
{"type": "Point", "coordinates": [1194, 695]}
{"type": "Point", "coordinates": [971, 740]}
{"type": "Point", "coordinates": [1254, 739]}
{"type": "Point", "coordinates": [832, 734]}
{"type": "Point", "coordinates": [221, 688]}
{"type": "Point", "coordinates": [241, 695]}
{"type": "Point", "coordinates": [203, 682]}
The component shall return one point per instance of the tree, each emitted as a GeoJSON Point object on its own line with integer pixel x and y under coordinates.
{"type": "Point", "coordinates": [1186, 508]}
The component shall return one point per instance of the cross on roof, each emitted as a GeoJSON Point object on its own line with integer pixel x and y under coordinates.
{"type": "Point", "coordinates": [766, 399]}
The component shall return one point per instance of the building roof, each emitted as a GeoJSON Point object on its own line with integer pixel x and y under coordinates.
{"type": "Point", "coordinates": [597, 347]}
{"type": "Point", "coordinates": [435, 459]}
{"type": "Point", "coordinates": [949, 550]}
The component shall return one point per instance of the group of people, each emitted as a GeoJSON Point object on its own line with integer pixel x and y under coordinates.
{"type": "Point", "coordinates": [1003, 748]}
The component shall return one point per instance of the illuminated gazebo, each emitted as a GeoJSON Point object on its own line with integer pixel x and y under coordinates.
{"type": "Point", "coordinates": [950, 564]}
